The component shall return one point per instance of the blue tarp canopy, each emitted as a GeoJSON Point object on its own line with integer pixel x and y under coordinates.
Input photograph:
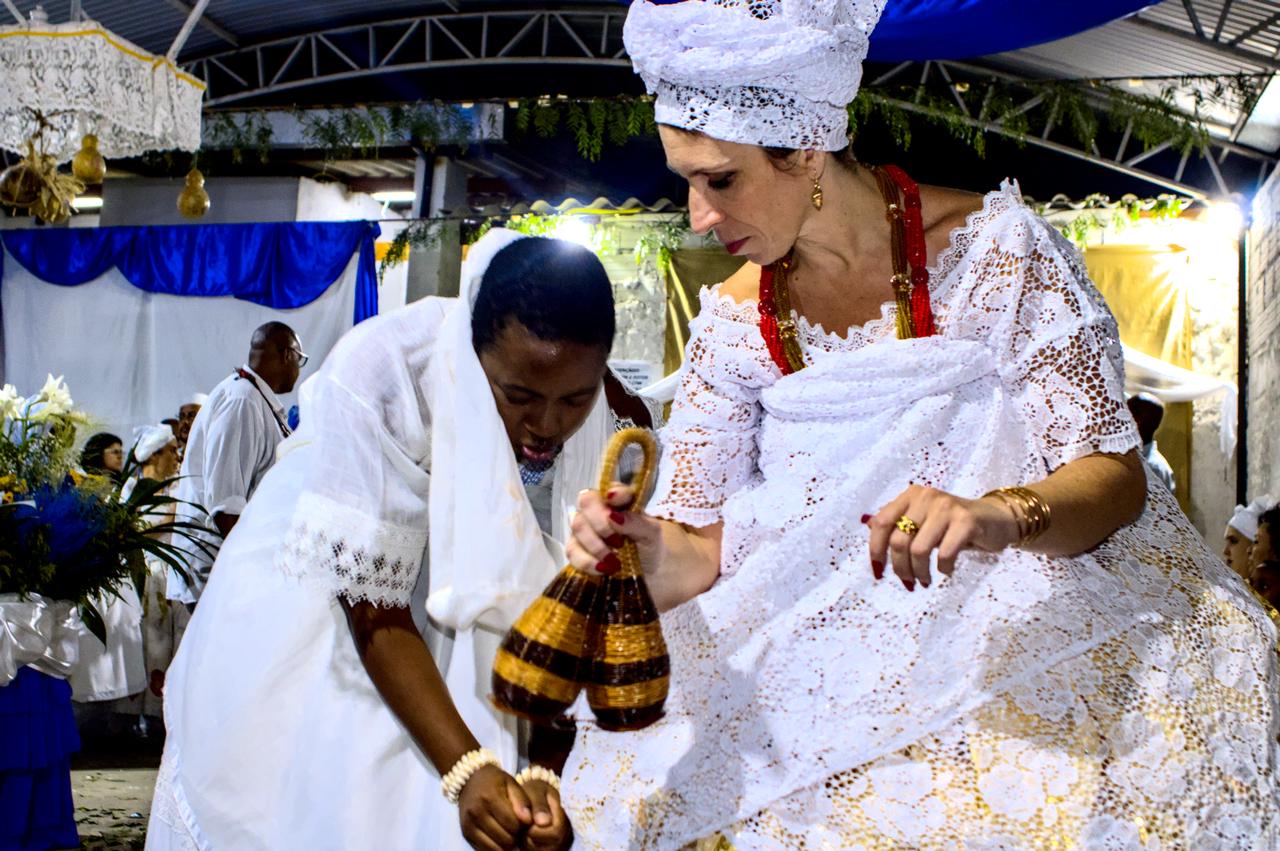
{"type": "Point", "coordinates": [961, 29]}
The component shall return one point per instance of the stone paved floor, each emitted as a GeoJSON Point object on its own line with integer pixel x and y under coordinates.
{"type": "Point", "coordinates": [112, 778]}
{"type": "Point", "coordinates": [112, 805]}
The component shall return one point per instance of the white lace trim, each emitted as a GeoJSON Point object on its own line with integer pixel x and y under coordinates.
{"type": "Point", "coordinates": [169, 807]}
{"type": "Point", "coordinates": [759, 72]}
{"type": "Point", "coordinates": [350, 553]}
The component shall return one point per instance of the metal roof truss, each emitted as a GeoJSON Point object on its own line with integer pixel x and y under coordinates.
{"type": "Point", "coordinates": [1158, 165]}
{"type": "Point", "coordinates": [426, 42]}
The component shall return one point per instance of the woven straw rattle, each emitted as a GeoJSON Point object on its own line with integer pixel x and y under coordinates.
{"type": "Point", "coordinates": [585, 630]}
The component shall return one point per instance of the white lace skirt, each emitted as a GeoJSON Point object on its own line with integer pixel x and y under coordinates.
{"type": "Point", "coordinates": [277, 738]}
{"type": "Point", "coordinates": [1024, 702]}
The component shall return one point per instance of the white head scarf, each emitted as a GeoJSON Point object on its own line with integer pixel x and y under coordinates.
{"type": "Point", "coordinates": [148, 440]}
{"type": "Point", "coordinates": [488, 556]}
{"type": "Point", "coordinates": [1245, 518]}
{"type": "Point", "coordinates": [759, 72]}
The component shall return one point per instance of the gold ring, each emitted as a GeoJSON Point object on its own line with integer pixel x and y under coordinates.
{"type": "Point", "coordinates": [907, 526]}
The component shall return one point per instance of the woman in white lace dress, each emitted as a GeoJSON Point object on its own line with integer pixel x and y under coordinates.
{"type": "Point", "coordinates": [867, 649]}
{"type": "Point", "coordinates": [303, 708]}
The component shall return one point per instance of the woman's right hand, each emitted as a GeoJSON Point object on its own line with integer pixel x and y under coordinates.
{"type": "Point", "coordinates": [599, 527]}
{"type": "Point", "coordinates": [494, 810]}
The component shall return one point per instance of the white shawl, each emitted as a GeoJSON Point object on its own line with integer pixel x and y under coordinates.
{"type": "Point", "coordinates": [489, 559]}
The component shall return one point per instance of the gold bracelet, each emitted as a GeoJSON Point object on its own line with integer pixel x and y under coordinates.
{"type": "Point", "coordinates": [468, 764]}
{"type": "Point", "coordinates": [538, 772]}
{"type": "Point", "coordinates": [1029, 510]}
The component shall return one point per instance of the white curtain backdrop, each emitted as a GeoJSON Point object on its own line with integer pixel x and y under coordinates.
{"type": "Point", "coordinates": [1169, 383]}
{"type": "Point", "coordinates": [131, 357]}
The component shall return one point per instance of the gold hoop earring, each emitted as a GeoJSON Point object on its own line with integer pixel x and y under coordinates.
{"type": "Point", "coordinates": [816, 197]}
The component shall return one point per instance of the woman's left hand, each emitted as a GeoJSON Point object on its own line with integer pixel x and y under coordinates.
{"type": "Point", "coordinates": [550, 830]}
{"type": "Point", "coordinates": [946, 523]}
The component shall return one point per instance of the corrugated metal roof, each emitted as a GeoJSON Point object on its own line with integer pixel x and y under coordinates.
{"type": "Point", "coordinates": [1126, 48]}
{"type": "Point", "coordinates": [573, 205]}
{"type": "Point", "coordinates": [1123, 49]}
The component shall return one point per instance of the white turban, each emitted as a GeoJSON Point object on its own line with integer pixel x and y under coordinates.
{"type": "Point", "coordinates": [760, 72]}
{"type": "Point", "coordinates": [1245, 519]}
{"type": "Point", "coordinates": [197, 399]}
{"type": "Point", "coordinates": [148, 440]}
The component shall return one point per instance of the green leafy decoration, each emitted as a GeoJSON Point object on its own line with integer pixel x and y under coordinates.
{"type": "Point", "coordinates": [420, 233]}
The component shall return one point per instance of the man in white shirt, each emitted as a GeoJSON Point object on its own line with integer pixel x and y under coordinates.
{"type": "Point", "coordinates": [231, 445]}
{"type": "Point", "coordinates": [1148, 413]}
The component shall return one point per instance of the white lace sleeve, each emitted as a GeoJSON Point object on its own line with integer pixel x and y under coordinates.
{"type": "Point", "coordinates": [1027, 293]}
{"type": "Point", "coordinates": [709, 444]}
{"type": "Point", "coordinates": [360, 525]}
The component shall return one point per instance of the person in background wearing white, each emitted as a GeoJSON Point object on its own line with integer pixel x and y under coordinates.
{"type": "Point", "coordinates": [231, 445]}
{"type": "Point", "coordinates": [1241, 531]}
{"type": "Point", "coordinates": [156, 450]}
{"type": "Point", "coordinates": [1148, 413]}
{"type": "Point", "coordinates": [108, 680]}
{"type": "Point", "coordinates": [186, 416]}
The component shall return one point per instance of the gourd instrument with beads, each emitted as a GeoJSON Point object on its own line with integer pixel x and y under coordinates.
{"type": "Point", "coordinates": [587, 631]}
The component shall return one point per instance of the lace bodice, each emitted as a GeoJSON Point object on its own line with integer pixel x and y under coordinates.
{"type": "Point", "coordinates": [1021, 702]}
{"type": "Point", "coordinates": [1007, 279]}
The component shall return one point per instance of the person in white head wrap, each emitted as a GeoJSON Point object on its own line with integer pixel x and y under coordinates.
{"type": "Point", "coordinates": [1046, 662]}
{"type": "Point", "coordinates": [187, 412]}
{"type": "Point", "coordinates": [440, 450]}
{"type": "Point", "coordinates": [1241, 531]}
{"type": "Point", "coordinates": [117, 671]}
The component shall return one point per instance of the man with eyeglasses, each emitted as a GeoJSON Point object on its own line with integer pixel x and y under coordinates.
{"type": "Point", "coordinates": [230, 447]}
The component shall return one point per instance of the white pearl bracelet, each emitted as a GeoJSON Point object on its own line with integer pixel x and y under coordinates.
{"type": "Point", "coordinates": [538, 772]}
{"type": "Point", "coordinates": [469, 763]}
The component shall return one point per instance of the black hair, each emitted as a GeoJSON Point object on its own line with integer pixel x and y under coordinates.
{"type": "Point", "coordinates": [556, 289]}
{"type": "Point", "coordinates": [94, 447]}
{"type": "Point", "coordinates": [784, 159]}
{"type": "Point", "coordinates": [1271, 519]}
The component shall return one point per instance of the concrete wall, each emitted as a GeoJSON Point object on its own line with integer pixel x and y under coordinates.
{"type": "Point", "coordinates": [154, 201]}
{"type": "Point", "coordinates": [1264, 340]}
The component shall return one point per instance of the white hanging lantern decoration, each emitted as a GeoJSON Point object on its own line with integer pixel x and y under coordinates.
{"type": "Point", "coordinates": [83, 79]}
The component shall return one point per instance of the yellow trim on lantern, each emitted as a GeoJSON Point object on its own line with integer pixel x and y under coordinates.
{"type": "Point", "coordinates": [109, 39]}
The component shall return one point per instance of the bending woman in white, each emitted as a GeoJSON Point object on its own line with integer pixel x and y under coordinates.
{"type": "Point", "coordinates": [1105, 684]}
{"type": "Point", "coordinates": [303, 707]}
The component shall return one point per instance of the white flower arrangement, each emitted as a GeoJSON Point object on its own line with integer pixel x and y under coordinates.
{"type": "Point", "coordinates": [11, 402]}
{"type": "Point", "coordinates": [56, 399]}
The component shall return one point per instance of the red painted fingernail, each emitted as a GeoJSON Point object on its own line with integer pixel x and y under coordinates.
{"type": "Point", "coordinates": [615, 541]}
{"type": "Point", "coordinates": [877, 568]}
{"type": "Point", "coordinates": [617, 517]}
{"type": "Point", "coordinates": [866, 518]}
{"type": "Point", "coordinates": [609, 565]}
{"type": "Point", "coordinates": [909, 584]}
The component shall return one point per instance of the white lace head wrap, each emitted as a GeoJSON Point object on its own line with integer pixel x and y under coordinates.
{"type": "Point", "coordinates": [148, 440]}
{"type": "Point", "coordinates": [760, 72]}
{"type": "Point", "coordinates": [1245, 518]}
{"type": "Point", "coordinates": [489, 558]}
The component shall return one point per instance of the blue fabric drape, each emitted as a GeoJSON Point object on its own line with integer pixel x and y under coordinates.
{"type": "Point", "coordinates": [960, 29]}
{"type": "Point", "coordinates": [281, 265]}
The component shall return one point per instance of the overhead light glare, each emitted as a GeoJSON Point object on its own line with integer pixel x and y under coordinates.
{"type": "Point", "coordinates": [87, 203]}
{"type": "Point", "coordinates": [395, 196]}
